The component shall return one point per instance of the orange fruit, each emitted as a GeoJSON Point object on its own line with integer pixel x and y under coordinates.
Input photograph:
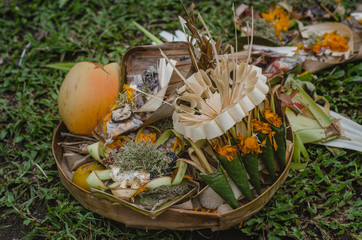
{"type": "Point", "coordinates": [86, 94]}
{"type": "Point", "coordinates": [80, 176]}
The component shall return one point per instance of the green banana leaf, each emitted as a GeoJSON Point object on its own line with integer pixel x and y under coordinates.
{"type": "Point", "coordinates": [237, 173]}
{"type": "Point", "coordinates": [221, 186]}
{"type": "Point", "coordinates": [61, 66]}
{"type": "Point", "coordinates": [267, 156]}
{"type": "Point", "coordinates": [153, 213]}
{"type": "Point", "coordinates": [147, 33]}
{"type": "Point", "coordinates": [298, 149]}
{"type": "Point", "coordinates": [251, 164]}
{"type": "Point", "coordinates": [280, 139]}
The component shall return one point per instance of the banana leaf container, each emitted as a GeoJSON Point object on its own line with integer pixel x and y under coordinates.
{"type": "Point", "coordinates": [173, 218]}
{"type": "Point", "coordinates": [137, 60]}
{"type": "Point", "coordinates": [134, 62]}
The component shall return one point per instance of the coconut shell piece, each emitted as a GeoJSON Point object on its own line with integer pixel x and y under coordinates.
{"type": "Point", "coordinates": [121, 114]}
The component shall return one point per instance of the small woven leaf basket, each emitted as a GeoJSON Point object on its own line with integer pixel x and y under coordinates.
{"type": "Point", "coordinates": [172, 218]}
{"type": "Point", "coordinates": [134, 62]}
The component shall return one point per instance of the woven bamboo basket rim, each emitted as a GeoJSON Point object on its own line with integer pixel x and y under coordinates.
{"type": "Point", "coordinates": [172, 218]}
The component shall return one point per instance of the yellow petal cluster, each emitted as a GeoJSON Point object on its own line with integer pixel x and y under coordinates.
{"type": "Point", "coordinates": [260, 127]}
{"type": "Point", "coordinates": [279, 19]}
{"type": "Point", "coordinates": [116, 143]}
{"type": "Point", "coordinates": [250, 145]}
{"type": "Point", "coordinates": [227, 151]}
{"type": "Point", "coordinates": [272, 118]}
{"type": "Point", "coordinates": [150, 137]}
{"type": "Point", "coordinates": [333, 41]}
{"type": "Point", "coordinates": [176, 144]}
{"type": "Point", "coordinates": [129, 92]}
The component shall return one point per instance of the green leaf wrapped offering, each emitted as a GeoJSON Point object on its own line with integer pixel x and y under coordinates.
{"type": "Point", "coordinates": [266, 136]}
{"type": "Point", "coordinates": [250, 149]}
{"type": "Point", "coordinates": [278, 127]}
{"type": "Point", "coordinates": [219, 183]}
{"type": "Point", "coordinates": [229, 158]}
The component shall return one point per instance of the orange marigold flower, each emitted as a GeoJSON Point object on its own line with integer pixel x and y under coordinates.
{"type": "Point", "coordinates": [333, 41]}
{"type": "Point", "coordinates": [150, 137]}
{"type": "Point", "coordinates": [260, 126]}
{"type": "Point", "coordinates": [279, 19]}
{"type": "Point", "coordinates": [116, 143]}
{"type": "Point", "coordinates": [227, 151]}
{"type": "Point", "coordinates": [300, 47]}
{"type": "Point", "coordinates": [272, 118]}
{"type": "Point", "coordinates": [265, 129]}
{"type": "Point", "coordinates": [241, 140]}
{"type": "Point", "coordinates": [316, 47]}
{"type": "Point", "coordinates": [129, 92]}
{"type": "Point", "coordinates": [128, 88]}
{"type": "Point", "coordinates": [251, 145]}
{"type": "Point", "coordinates": [269, 17]}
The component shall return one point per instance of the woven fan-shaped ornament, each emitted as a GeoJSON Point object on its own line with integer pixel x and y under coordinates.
{"type": "Point", "coordinates": [213, 101]}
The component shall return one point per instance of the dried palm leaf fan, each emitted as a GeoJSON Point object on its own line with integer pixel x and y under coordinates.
{"type": "Point", "coordinates": [220, 94]}
{"type": "Point", "coordinates": [222, 108]}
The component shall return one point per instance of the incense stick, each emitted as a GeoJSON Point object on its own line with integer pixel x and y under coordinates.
{"type": "Point", "coordinates": [235, 31]}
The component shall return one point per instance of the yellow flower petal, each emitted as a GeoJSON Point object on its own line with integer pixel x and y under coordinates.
{"type": "Point", "coordinates": [227, 151]}
{"type": "Point", "coordinates": [150, 137]}
{"type": "Point", "coordinates": [272, 118]}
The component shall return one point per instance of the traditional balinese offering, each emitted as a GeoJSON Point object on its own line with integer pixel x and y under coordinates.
{"type": "Point", "coordinates": [191, 140]}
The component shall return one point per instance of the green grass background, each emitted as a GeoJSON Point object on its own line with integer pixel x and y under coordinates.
{"type": "Point", "coordinates": [322, 202]}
